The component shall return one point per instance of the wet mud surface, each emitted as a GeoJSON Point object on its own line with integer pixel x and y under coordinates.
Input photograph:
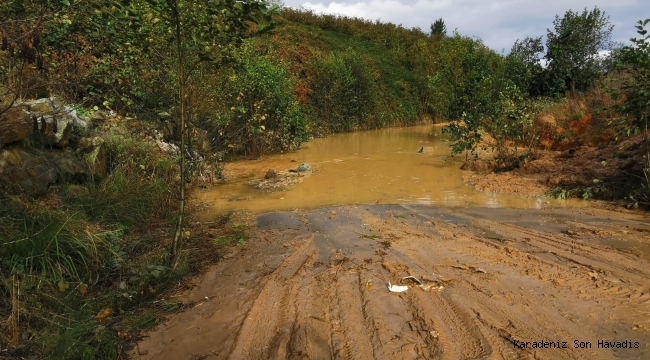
{"type": "Point", "coordinates": [496, 282]}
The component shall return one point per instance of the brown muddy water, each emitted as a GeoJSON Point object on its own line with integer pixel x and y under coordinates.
{"type": "Point", "coordinates": [380, 166]}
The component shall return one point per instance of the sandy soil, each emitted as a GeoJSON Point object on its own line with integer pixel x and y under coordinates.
{"type": "Point", "coordinates": [312, 285]}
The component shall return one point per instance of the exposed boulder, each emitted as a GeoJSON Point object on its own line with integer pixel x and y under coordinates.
{"type": "Point", "coordinates": [31, 173]}
{"type": "Point", "coordinates": [54, 131]}
{"type": "Point", "coordinates": [43, 106]}
{"type": "Point", "coordinates": [54, 128]}
{"type": "Point", "coordinates": [69, 167]}
{"type": "Point", "coordinates": [15, 125]}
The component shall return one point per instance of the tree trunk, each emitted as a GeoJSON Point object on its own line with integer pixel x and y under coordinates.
{"type": "Point", "coordinates": [181, 93]}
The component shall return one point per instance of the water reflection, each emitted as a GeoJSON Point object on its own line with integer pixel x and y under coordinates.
{"type": "Point", "coordinates": [381, 166]}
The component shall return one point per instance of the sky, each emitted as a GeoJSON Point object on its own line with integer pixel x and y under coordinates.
{"type": "Point", "coordinates": [497, 22]}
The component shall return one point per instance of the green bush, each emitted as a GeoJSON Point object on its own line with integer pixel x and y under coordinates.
{"type": "Point", "coordinates": [345, 95]}
{"type": "Point", "coordinates": [258, 112]}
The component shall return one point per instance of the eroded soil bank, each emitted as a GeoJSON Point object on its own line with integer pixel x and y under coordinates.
{"type": "Point", "coordinates": [312, 284]}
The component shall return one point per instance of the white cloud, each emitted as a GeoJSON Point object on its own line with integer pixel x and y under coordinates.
{"type": "Point", "coordinates": [498, 23]}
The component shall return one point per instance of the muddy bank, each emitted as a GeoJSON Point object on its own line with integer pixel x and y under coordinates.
{"type": "Point", "coordinates": [607, 172]}
{"type": "Point", "coordinates": [312, 284]}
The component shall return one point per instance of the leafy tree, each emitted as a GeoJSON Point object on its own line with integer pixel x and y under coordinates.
{"type": "Point", "coordinates": [634, 63]}
{"type": "Point", "coordinates": [633, 66]}
{"type": "Point", "coordinates": [196, 33]}
{"type": "Point", "coordinates": [465, 89]}
{"type": "Point", "coordinates": [572, 49]}
{"type": "Point", "coordinates": [263, 113]}
{"type": "Point", "coordinates": [343, 91]}
{"type": "Point", "coordinates": [525, 65]}
{"type": "Point", "coordinates": [438, 28]}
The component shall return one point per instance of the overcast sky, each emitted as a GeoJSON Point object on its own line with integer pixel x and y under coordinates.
{"type": "Point", "coordinates": [497, 22]}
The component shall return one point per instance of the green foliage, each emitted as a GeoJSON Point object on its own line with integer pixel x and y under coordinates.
{"type": "Point", "coordinates": [263, 113]}
{"type": "Point", "coordinates": [54, 243]}
{"type": "Point", "coordinates": [139, 185]}
{"type": "Point", "coordinates": [515, 137]}
{"type": "Point", "coordinates": [473, 87]}
{"type": "Point", "coordinates": [343, 91]}
{"type": "Point", "coordinates": [463, 82]}
{"type": "Point", "coordinates": [572, 49]}
{"type": "Point", "coordinates": [465, 89]}
{"type": "Point", "coordinates": [438, 28]}
{"type": "Point", "coordinates": [524, 65]}
{"type": "Point", "coordinates": [634, 64]}
{"type": "Point", "coordinates": [71, 259]}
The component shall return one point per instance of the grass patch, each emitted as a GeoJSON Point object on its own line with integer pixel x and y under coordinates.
{"type": "Point", "coordinates": [85, 269]}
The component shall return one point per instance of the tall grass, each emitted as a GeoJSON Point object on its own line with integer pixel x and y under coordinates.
{"type": "Point", "coordinates": [65, 258]}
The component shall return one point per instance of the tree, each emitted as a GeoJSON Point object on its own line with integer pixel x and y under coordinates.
{"type": "Point", "coordinates": [525, 65]}
{"type": "Point", "coordinates": [196, 33]}
{"type": "Point", "coordinates": [438, 28]}
{"type": "Point", "coordinates": [634, 64]}
{"type": "Point", "coordinates": [573, 47]}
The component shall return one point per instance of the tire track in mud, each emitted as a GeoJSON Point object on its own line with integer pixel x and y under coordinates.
{"type": "Point", "coordinates": [480, 297]}
{"type": "Point", "coordinates": [266, 321]}
{"type": "Point", "coordinates": [609, 274]}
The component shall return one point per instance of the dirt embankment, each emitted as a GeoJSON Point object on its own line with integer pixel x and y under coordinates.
{"type": "Point", "coordinates": [313, 285]}
{"type": "Point", "coordinates": [613, 171]}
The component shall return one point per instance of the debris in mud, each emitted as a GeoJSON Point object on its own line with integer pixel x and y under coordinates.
{"type": "Point", "coordinates": [412, 278]}
{"type": "Point", "coordinates": [278, 181]}
{"type": "Point", "coordinates": [237, 198]}
{"type": "Point", "coordinates": [397, 288]}
{"type": "Point", "coordinates": [474, 268]}
{"type": "Point", "coordinates": [270, 174]}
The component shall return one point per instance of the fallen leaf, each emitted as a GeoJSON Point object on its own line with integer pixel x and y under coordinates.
{"type": "Point", "coordinates": [104, 313]}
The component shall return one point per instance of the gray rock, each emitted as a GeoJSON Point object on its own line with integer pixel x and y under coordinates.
{"type": "Point", "coordinates": [45, 105]}
{"type": "Point", "coordinates": [270, 174]}
{"type": "Point", "coordinates": [71, 115]}
{"type": "Point", "coordinates": [69, 167]}
{"type": "Point", "coordinates": [31, 173]}
{"type": "Point", "coordinates": [167, 147]}
{"type": "Point", "coordinates": [15, 125]}
{"type": "Point", "coordinates": [304, 167]}
{"type": "Point", "coordinates": [55, 132]}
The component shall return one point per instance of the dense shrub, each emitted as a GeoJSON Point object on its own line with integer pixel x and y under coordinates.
{"type": "Point", "coordinates": [259, 113]}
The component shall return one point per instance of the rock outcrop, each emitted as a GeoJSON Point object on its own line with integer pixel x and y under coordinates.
{"type": "Point", "coordinates": [15, 126]}
{"type": "Point", "coordinates": [52, 130]}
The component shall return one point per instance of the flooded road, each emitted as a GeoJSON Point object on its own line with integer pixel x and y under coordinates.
{"type": "Point", "coordinates": [381, 166]}
{"type": "Point", "coordinates": [497, 277]}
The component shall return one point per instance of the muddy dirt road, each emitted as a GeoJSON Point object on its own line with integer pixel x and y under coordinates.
{"type": "Point", "coordinates": [497, 284]}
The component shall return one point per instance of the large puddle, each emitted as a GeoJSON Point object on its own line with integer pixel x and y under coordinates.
{"type": "Point", "coordinates": [381, 166]}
